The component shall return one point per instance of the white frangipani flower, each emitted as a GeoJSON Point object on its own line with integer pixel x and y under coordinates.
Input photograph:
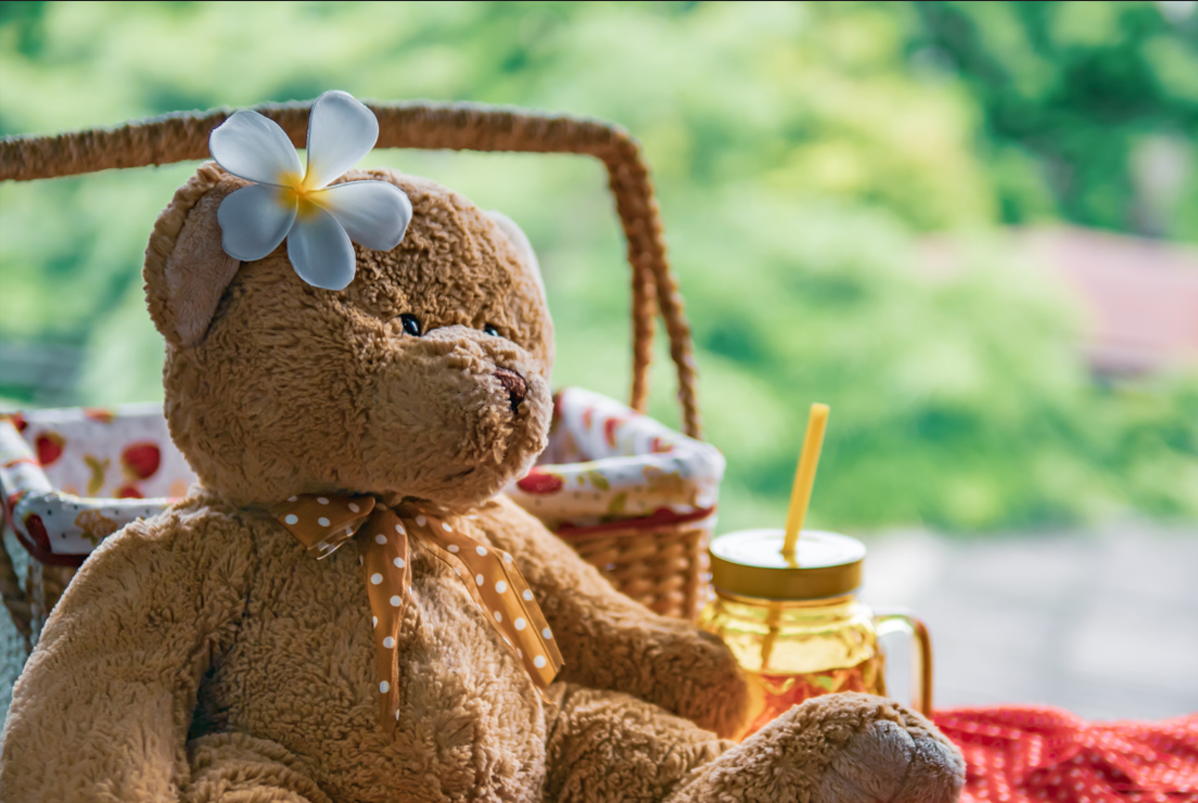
{"type": "Point", "coordinates": [288, 201]}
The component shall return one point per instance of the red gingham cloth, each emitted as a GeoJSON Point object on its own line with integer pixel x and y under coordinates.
{"type": "Point", "coordinates": [1019, 754]}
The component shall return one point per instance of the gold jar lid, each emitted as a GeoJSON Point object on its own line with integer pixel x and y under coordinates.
{"type": "Point", "coordinates": [750, 563]}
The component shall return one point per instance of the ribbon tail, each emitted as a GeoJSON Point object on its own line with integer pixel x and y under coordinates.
{"type": "Point", "coordinates": [462, 570]}
{"type": "Point", "coordinates": [458, 565]}
{"type": "Point", "coordinates": [385, 562]}
{"type": "Point", "coordinates": [536, 620]}
{"type": "Point", "coordinates": [503, 597]}
{"type": "Point", "coordinates": [387, 664]}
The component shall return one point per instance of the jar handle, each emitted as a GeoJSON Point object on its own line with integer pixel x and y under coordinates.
{"type": "Point", "coordinates": [894, 620]}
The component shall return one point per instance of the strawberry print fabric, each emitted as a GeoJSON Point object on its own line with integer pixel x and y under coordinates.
{"type": "Point", "coordinates": [1026, 754]}
{"type": "Point", "coordinates": [70, 478]}
{"type": "Point", "coordinates": [608, 465]}
{"type": "Point", "coordinates": [123, 453]}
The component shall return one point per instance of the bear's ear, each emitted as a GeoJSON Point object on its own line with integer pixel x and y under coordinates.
{"type": "Point", "coordinates": [186, 269]}
{"type": "Point", "coordinates": [519, 239]}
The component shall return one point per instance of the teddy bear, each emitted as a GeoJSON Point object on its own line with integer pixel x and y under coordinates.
{"type": "Point", "coordinates": [211, 653]}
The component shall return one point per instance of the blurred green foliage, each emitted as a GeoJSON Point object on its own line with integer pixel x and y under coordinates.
{"type": "Point", "coordinates": [801, 153]}
{"type": "Point", "coordinates": [1075, 97]}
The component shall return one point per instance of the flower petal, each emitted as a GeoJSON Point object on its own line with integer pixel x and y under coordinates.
{"type": "Point", "coordinates": [253, 147]}
{"type": "Point", "coordinates": [340, 132]}
{"type": "Point", "coordinates": [374, 213]}
{"type": "Point", "coordinates": [253, 222]}
{"type": "Point", "coordinates": [321, 251]}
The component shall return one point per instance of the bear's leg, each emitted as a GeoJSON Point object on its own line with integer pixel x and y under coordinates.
{"type": "Point", "coordinates": [840, 748]}
{"type": "Point", "coordinates": [845, 748]}
{"type": "Point", "coordinates": [234, 766]}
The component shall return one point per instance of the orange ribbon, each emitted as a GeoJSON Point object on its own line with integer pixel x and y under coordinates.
{"type": "Point", "coordinates": [324, 523]}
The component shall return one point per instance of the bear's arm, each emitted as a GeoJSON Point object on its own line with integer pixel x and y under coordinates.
{"type": "Point", "coordinates": [610, 642]}
{"type": "Point", "coordinates": [102, 709]}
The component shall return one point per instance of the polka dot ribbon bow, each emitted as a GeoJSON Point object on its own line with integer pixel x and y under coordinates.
{"type": "Point", "coordinates": [324, 523]}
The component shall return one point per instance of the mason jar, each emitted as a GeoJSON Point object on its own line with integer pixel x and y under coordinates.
{"type": "Point", "coordinates": [797, 626]}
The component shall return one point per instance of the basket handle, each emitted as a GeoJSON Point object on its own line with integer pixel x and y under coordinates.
{"type": "Point", "coordinates": [456, 126]}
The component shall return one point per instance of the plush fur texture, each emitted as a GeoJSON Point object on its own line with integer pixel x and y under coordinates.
{"type": "Point", "coordinates": [203, 655]}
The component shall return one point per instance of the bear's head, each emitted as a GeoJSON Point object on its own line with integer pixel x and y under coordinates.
{"type": "Point", "coordinates": [426, 378]}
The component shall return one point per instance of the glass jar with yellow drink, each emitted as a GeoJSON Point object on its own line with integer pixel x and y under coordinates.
{"type": "Point", "coordinates": [795, 622]}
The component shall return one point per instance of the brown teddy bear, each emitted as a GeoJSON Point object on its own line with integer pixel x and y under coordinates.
{"type": "Point", "coordinates": [206, 655]}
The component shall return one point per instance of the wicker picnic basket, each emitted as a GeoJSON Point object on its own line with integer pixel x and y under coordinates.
{"type": "Point", "coordinates": [655, 555]}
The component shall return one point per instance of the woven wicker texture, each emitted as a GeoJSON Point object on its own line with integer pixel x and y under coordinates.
{"type": "Point", "coordinates": [663, 569]}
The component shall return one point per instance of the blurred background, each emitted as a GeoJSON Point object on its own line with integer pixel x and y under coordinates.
{"type": "Point", "coordinates": [970, 228]}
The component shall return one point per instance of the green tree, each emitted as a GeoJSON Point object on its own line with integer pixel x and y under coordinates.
{"type": "Point", "coordinates": [1090, 109]}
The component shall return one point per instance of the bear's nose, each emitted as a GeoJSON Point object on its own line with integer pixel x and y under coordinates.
{"type": "Point", "coordinates": [514, 384]}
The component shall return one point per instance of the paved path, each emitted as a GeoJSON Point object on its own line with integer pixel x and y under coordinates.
{"type": "Point", "coordinates": [1102, 623]}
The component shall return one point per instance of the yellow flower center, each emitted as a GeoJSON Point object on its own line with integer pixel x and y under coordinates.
{"type": "Point", "coordinates": [297, 189]}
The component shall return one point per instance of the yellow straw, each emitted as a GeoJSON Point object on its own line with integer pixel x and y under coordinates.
{"type": "Point", "coordinates": [800, 495]}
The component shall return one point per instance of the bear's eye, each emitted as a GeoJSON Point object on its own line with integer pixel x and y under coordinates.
{"type": "Point", "coordinates": [411, 326]}
{"type": "Point", "coordinates": [489, 329]}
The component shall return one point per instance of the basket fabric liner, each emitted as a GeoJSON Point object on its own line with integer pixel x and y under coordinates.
{"type": "Point", "coordinates": [608, 467]}
{"type": "Point", "coordinates": [71, 477]}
